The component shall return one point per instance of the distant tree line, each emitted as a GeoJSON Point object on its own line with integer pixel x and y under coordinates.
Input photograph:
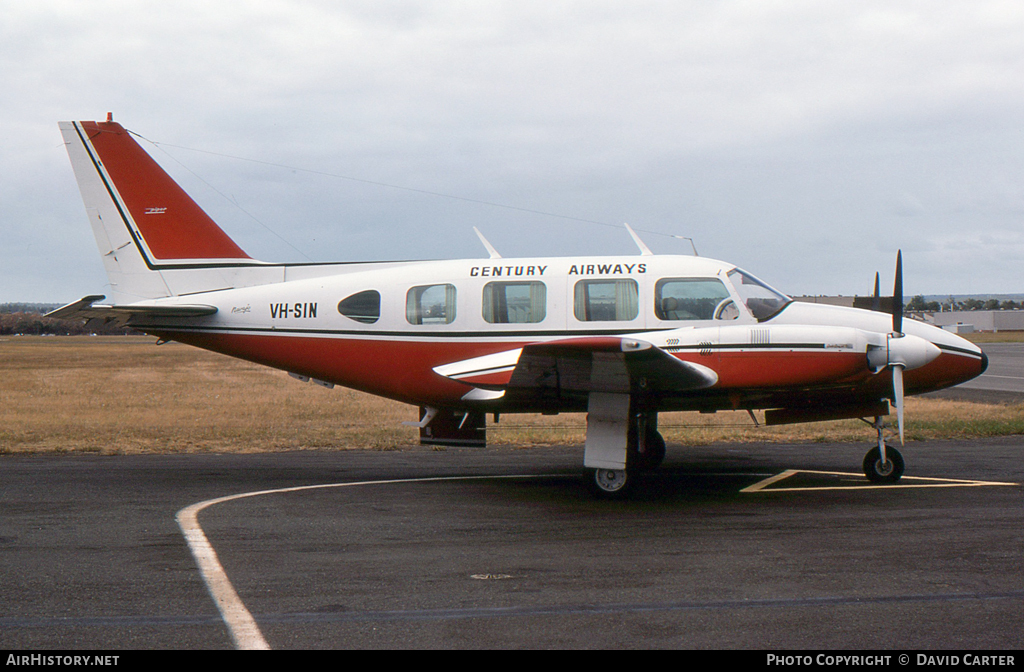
{"type": "Point", "coordinates": [919, 304]}
{"type": "Point", "coordinates": [28, 307]}
{"type": "Point", "coordinates": [29, 319]}
{"type": "Point", "coordinates": [36, 324]}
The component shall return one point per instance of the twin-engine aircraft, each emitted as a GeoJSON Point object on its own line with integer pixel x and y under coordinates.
{"type": "Point", "coordinates": [621, 338]}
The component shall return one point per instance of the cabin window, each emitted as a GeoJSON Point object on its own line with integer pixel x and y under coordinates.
{"type": "Point", "coordinates": [693, 299]}
{"type": "Point", "coordinates": [606, 300]}
{"type": "Point", "coordinates": [362, 307]}
{"type": "Point", "coordinates": [430, 304]}
{"type": "Point", "coordinates": [515, 302]}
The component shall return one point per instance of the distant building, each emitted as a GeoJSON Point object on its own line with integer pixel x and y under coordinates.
{"type": "Point", "coordinates": [830, 300]}
{"type": "Point", "coordinates": [980, 320]}
{"type": "Point", "coordinates": [959, 321]}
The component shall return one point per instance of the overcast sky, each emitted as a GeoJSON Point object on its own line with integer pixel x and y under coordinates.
{"type": "Point", "coordinates": [803, 141]}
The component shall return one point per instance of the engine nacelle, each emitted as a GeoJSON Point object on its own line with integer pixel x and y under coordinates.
{"type": "Point", "coordinates": [908, 351]}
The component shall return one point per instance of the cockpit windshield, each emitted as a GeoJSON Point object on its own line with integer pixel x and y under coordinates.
{"type": "Point", "coordinates": [761, 300]}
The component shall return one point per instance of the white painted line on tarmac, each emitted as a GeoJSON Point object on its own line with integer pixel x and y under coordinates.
{"type": "Point", "coordinates": [242, 627]}
{"type": "Point", "coordinates": [244, 631]}
{"type": "Point", "coordinates": [763, 486]}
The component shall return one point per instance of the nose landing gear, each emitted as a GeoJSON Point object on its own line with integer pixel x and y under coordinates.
{"type": "Point", "coordinates": [883, 463]}
{"type": "Point", "coordinates": [888, 471]}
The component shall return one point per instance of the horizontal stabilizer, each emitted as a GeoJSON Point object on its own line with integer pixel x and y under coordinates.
{"type": "Point", "coordinates": [87, 309]}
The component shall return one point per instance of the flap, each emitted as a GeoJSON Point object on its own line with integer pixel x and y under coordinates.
{"type": "Point", "coordinates": [594, 364]}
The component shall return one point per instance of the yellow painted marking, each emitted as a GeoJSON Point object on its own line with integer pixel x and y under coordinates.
{"type": "Point", "coordinates": [768, 481]}
{"type": "Point", "coordinates": [762, 486]}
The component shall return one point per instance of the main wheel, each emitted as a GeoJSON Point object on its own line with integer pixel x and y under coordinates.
{"type": "Point", "coordinates": [890, 471]}
{"type": "Point", "coordinates": [653, 455]}
{"type": "Point", "coordinates": [610, 483]}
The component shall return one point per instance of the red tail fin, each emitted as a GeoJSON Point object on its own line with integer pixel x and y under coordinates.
{"type": "Point", "coordinates": [170, 223]}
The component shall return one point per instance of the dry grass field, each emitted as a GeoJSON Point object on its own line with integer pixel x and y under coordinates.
{"type": "Point", "coordinates": [123, 395]}
{"type": "Point", "coordinates": [995, 337]}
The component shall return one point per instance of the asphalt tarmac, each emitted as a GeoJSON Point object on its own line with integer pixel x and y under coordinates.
{"type": "Point", "coordinates": [512, 552]}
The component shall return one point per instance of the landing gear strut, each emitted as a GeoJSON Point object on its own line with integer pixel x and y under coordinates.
{"type": "Point", "coordinates": [646, 446]}
{"type": "Point", "coordinates": [642, 449]}
{"type": "Point", "coordinates": [883, 463]}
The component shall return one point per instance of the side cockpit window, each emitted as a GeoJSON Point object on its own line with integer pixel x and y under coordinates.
{"type": "Point", "coordinates": [693, 299]}
{"type": "Point", "coordinates": [362, 307]}
{"type": "Point", "coordinates": [514, 302]}
{"type": "Point", "coordinates": [430, 304]}
{"type": "Point", "coordinates": [762, 301]}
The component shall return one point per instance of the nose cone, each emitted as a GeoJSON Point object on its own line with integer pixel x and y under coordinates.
{"type": "Point", "coordinates": [960, 361]}
{"type": "Point", "coordinates": [976, 361]}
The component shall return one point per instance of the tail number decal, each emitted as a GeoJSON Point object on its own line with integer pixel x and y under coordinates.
{"type": "Point", "coordinates": [299, 310]}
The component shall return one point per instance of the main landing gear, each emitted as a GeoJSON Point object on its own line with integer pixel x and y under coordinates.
{"type": "Point", "coordinates": [610, 483]}
{"type": "Point", "coordinates": [883, 463]}
{"type": "Point", "coordinates": [645, 451]}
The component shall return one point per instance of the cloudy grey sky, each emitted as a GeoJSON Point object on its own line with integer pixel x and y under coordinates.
{"type": "Point", "coordinates": [805, 141]}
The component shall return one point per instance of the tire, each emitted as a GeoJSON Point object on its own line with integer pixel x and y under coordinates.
{"type": "Point", "coordinates": [610, 483]}
{"type": "Point", "coordinates": [653, 455]}
{"type": "Point", "coordinates": [879, 473]}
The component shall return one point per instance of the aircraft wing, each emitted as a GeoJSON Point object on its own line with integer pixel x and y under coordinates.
{"type": "Point", "coordinates": [581, 365]}
{"type": "Point", "coordinates": [87, 309]}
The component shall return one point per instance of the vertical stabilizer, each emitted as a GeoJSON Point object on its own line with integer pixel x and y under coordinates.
{"type": "Point", "coordinates": [144, 223]}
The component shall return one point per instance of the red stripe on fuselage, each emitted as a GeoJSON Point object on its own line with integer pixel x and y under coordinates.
{"type": "Point", "coordinates": [172, 224]}
{"type": "Point", "coordinates": [402, 369]}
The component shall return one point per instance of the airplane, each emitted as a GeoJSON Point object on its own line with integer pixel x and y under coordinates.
{"type": "Point", "coordinates": [620, 338]}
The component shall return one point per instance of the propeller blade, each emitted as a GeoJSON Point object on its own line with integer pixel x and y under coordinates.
{"type": "Point", "coordinates": [897, 388]}
{"type": "Point", "coordinates": [897, 296]}
{"type": "Point", "coordinates": [876, 301]}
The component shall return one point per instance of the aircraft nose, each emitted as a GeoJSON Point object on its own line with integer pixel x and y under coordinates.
{"type": "Point", "coordinates": [984, 363]}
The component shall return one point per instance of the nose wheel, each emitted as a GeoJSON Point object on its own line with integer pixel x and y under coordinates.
{"type": "Point", "coordinates": [888, 470]}
{"type": "Point", "coordinates": [883, 463]}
